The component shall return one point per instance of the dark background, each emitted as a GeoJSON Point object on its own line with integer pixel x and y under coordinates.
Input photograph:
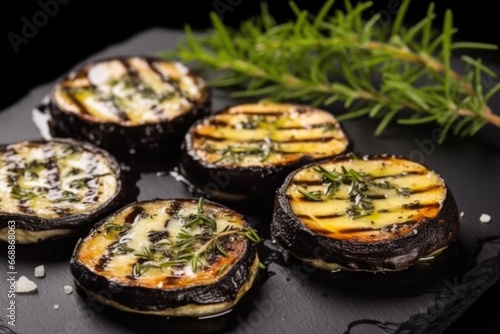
{"type": "Point", "coordinates": [78, 29]}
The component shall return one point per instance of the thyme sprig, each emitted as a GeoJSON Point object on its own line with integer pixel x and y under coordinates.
{"type": "Point", "coordinates": [374, 70]}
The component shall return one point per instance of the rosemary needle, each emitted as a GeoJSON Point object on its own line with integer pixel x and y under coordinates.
{"type": "Point", "coordinates": [197, 241]}
{"type": "Point", "coordinates": [338, 56]}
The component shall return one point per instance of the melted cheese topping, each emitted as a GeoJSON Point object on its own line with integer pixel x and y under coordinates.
{"type": "Point", "coordinates": [267, 134]}
{"type": "Point", "coordinates": [136, 246]}
{"type": "Point", "coordinates": [397, 196]}
{"type": "Point", "coordinates": [54, 179]}
{"type": "Point", "coordinates": [131, 91]}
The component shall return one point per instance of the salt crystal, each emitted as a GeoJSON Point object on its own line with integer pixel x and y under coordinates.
{"type": "Point", "coordinates": [56, 306]}
{"type": "Point", "coordinates": [485, 218]}
{"type": "Point", "coordinates": [68, 289]}
{"type": "Point", "coordinates": [24, 285]}
{"type": "Point", "coordinates": [40, 271]}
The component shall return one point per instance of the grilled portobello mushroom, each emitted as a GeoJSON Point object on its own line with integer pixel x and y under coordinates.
{"type": "Point", "coordinates": [128, 103]}
{"type": "Point", "coordinates": [56, 188]}
{"type": "Point", "coordinates": [246, 151]}
{"type": "Point", "coordinates": [176, 257]}
{"type": "Point", "coordinates": [375, 213]}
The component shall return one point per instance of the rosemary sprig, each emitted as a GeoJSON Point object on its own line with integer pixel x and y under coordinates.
{"type": "Point", "coordinates": [341, 57]}
{"type": "Point", "coordinates": [237, 153]}
{"type": "Point", "coordinates": [359, 183]}
{"type": "Point", "coordinates": [195, 244]}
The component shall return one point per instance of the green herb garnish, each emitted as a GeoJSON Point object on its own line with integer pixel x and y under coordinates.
{"type": "Point", "coordinates": [376, 70]}
{"type": "Point", "coordinates": [197, 243]}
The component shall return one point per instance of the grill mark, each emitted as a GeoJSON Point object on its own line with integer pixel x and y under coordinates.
{"type": "Point", "coordinates": [122, 115]}
{"type": "Point", "coordinates": [288, 141]}
{"type": "Point", "coordinates": [275, 151]}
{"type": "Point", "coordinates": [400, 175]}
{"type": "Point", "coordinates": [373, 197]}
{"type": "Point", "coordinates": [155, 236]}
{"type": "Point", "coordinates": [168, 80]}
{"type": "Point", "coordinates": [282, 153]}
{"type": "Point", "coordinates": [132, 216]}
{"type": "Point", "coordinates": [104, 260]}
{"type": "Point", "coordinates": [310, 140]}
{"type": "Point", "coordinates": [24, 208]}
{"type": "Point", "coordinates": [221, 123]}
{"type": "Point", "coordinates": [77, 102]}
{"type": "Point", "coordinates": [310, 126]}
{"type": "Point", "coordinates": [350, 198]}
{"type": "Point", "coordinates": [10, 165]}
{"type": "Point", "coordinates": [360, 229]}
{"type": "Point", "coordinates": [129, 219]}
{"type": "Point", "coordinates": [415, 207]}
{"type": "Point", "coordinates": [92, 193]}
{"type": "Point", "coordinates": [424, 190]}
{"type": "Point", "coordinates": [173, 210]}
{"type": "Point", "coordinates": [323, 216]}
{"type": "Point", "coordinates": [396, 176]}
{"type": "Point", "coordinates": [217, 139]}
{"type": "Point", "coordinates": [411, 206]}
{"type": "Point", "coordinates": [158, 111]}
{"type": "Point", "coordinates": [53, 174]}
{"type": "Point", "coordinates": [256, 113]}
{"type": "Point", "coordinates": [218, 122]}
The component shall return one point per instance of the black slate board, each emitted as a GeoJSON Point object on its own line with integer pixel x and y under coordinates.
{"type": "Point", "coordinates": [291, 298]}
